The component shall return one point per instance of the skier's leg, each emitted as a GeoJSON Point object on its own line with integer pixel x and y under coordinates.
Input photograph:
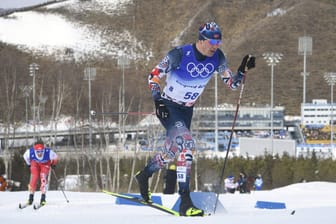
{"type": "Point", "coordinates": [142, 177]}
{"type": "Point", "coordinates": [44, 179]}
{"type": "Point", "coordinates": [44, 183]}
{"type": "Point", "coordinates": [34, 175]}
{"type": "Point", "coordinates": [170, 149]}
{"type": "Point", "coordinates": [176, 125]}
{"type": "Point", "coordinates": [186, 145]}
{"type": "Point", "coordinates": [154, 165]}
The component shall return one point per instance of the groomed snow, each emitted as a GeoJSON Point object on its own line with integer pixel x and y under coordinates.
{"type": "Point", "coordinates": [313, 202]}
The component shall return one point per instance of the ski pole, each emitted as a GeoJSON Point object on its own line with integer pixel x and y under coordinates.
{"type": "Point", "coordinates": [94, 113]}
{"type": "Point", "coordinates": [67, 200]}
{"type": "Point", "coordinates": [229, 144]}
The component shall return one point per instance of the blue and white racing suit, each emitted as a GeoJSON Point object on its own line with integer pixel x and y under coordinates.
{"type": "Point", "coordinates": [187, 73]}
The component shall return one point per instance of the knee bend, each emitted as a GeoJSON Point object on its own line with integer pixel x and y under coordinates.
{"type": "Point", "coordinates": [186, 156]}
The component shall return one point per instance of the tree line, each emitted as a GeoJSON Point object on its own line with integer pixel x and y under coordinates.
{"type": "Point", "coordinates": [115, 172]}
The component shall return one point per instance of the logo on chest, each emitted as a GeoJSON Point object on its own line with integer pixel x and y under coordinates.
{"type": "Point", "coordinates": [200, 70]}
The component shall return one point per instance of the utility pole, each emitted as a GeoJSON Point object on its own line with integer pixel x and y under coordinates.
{"type": "Point", "coordinates": [90, 74]}
{"type": "Point", "coordinates": [33, 68]}
{"type": "Point", "coordinates": [305, 48]}
{"type": "Point", "coordinates": [272, 59]}
{"type": "Point", "coordinates": [330, 77]}
{"type": "Point", "coordinates": [26, 92]}
{"type": "Point", "coordinates": [123, 62]}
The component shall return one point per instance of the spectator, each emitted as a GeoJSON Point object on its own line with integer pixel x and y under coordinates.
{"type": "Point", "coordinates": [258, 182]}
{"type": "Point", "coordinates": [3, 182]}
{"type": "Point", "coordinates": [243, 183]}
{"type": "Point", "coordinates": [230, 185]}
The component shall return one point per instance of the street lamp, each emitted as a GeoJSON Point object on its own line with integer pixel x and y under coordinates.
{"type": "Point", "coordinates": [123, 62]}
{"type": "Point", "coordinates": [330, 77]}
{"type": "Point", "coordinates": [90, 74]}
{"type": "Point", "coordinates": [305, 48]}
{"type": "Point", "coordinates": [33, 68]}
{"type": "Point", "coordinates": [26, 92]}
{"type": "Point", "coordinates": [272, 59]}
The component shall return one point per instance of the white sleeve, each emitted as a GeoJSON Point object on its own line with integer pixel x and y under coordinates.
{"type": "Point", "coordinates": [26, 157]}
{"type": "Point", "coordinates": [53, 155]}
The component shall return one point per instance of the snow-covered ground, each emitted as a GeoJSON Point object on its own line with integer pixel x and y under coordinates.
{"type": "Point", "coordinates": [13, 4]}
{"type": "Point", "coordinates": [55, 35]}
{"type": "Point", "coordinates": [308, 203]}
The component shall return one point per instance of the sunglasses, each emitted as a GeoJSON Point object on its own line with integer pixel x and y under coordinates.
{"type": "Point", "coordinates": [213, 41]}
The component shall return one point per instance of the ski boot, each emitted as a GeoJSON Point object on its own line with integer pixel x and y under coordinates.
{"type": "Point", "coordinates": [43, 200]}
{"type": "Point", "coordinates": [142, 179]}
{"type": "Point", "coordinates": [187, 208]}
{"type": "Point", "coordinates": [30, 199]}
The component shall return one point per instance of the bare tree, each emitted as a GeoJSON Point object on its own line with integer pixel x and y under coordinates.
{"type": "Point", "coordinates": [135, 150]}
{"type": "Point", "coordinates": [9, 85]}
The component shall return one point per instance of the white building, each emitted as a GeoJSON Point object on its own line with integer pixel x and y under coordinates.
{"type": "Point", "coordinates": [317, 113]}
{"type": "Point", "coordinates": [317, 121]}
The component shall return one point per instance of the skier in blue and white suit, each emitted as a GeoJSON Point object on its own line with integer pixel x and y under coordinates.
{"type": "Point", "coordinates": [187, 70]}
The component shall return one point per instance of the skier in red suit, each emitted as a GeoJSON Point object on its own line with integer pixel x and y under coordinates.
{"type": "Point", "coordinates": [40, 159]}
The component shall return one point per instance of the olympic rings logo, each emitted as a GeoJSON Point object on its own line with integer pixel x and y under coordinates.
{"type": "Point", "coordinates": [200, 69]}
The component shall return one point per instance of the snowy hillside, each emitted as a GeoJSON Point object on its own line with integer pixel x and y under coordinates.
{"type": "Point", "coordinates": [14, 4]}
{"type": "Point", "coordinates": [56, 35]}
{"type": "Point", "coordinates": [99, 30]}
{"type": "Point", "coordinates": [307, 203]}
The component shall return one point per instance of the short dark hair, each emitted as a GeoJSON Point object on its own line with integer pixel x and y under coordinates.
{"type": "Point", "coordinates": [39, 141]}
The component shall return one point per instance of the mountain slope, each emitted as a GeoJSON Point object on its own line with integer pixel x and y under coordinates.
{"type": "Point", "coordinates": [158, 25]}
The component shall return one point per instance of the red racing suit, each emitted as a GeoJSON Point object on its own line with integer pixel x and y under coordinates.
{"type": "Point", "coordinates": [40, 162]}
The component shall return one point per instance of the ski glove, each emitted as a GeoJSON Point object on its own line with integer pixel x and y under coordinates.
{"type": "Point", "coordinates": [156, 92]}
{"type": "Point", "coordinates": [247, 64]}
{"type": "Point", "coordinates": [161, 110]}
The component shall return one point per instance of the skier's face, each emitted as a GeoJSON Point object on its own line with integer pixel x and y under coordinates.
{"type": "Point", "coordinates": [209, 47]}
{"type": "Point", "coordinates": [39, 153]}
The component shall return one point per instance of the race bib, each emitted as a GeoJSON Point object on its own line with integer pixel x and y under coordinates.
{"type": "Point", "coordinates": [181, 172]}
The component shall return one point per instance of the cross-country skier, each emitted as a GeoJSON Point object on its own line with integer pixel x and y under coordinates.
{"type": "Point", "coordinates": [187, 70]}
{"type": "Point", "coordinates": [40, 159]}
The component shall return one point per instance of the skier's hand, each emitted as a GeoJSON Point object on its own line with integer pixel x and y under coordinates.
{"type": "Point", "coordinates": [161, 110]}
{"type": "Point", "coordinates": [247, 63]}
{"type": "Point", "coordinates": [155, 89]}
{"type": "Point", "coordinates": [53, 166]}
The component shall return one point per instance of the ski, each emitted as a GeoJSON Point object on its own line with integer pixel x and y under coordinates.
{"type": "Point", "coordinates": [143, 202]}
{"type": "Point", "coordinates": [25, 205]}
{"type": "Point", "coordinates": [37, 206]}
